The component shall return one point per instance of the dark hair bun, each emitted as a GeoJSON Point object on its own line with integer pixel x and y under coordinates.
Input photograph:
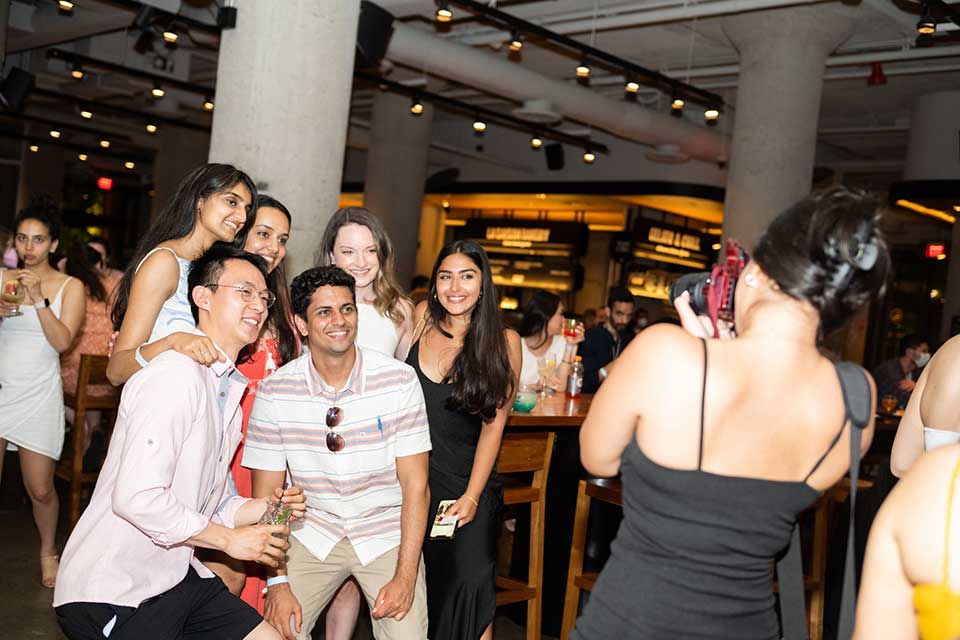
{"type": "Point", "coordinates": [827, 250]}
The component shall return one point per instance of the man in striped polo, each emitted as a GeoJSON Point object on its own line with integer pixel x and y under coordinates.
{"type": "Point", "coordinates": [350, 426]}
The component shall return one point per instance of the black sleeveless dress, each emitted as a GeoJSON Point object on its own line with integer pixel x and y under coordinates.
{"type": "Point", "coordinates": [694, 555]}
{"type": "Point", "coordinates": [460, 573]}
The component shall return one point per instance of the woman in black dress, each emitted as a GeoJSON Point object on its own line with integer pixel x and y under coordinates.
{"type": "Point", "coordinates": [468, 366]}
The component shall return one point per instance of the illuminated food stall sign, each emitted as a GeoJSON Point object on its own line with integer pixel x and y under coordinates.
{"type": "Point", "coordinates": [672, 238]}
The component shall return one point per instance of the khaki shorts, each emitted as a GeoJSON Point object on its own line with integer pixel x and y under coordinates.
{"type": "Point", "coordinates": [314, 582]}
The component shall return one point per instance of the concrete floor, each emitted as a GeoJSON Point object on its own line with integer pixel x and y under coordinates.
{"type": "Point", "coordinates": [26, 606]}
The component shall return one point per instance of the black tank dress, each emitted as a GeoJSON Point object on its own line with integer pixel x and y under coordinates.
{"type": "Point", "coordinates": [460, 573]}
{"type": "Point", "coordinates": [694, 555]}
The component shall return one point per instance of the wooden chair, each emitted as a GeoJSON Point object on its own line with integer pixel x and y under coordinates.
{"type": "Point", "coordinates": [608, 490]}
{"type": "Point", "coordinates": [525, 453]}
{"type": "Point", "coordinates": [93, 371]}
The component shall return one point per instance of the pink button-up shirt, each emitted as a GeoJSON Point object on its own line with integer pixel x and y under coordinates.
{"type": "Point", "coordinates": [163, 481]}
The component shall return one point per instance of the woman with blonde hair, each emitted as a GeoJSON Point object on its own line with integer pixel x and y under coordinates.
{"type": "Point", "coordinates": [356, 241]}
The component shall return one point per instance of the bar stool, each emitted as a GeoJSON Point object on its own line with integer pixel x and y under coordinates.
{"type": "Point", "coordinates": [525, 453]}
{"type": "Point", "coordinates": [608, 490]}
{"type": "Point", "coordinates": [93, 371]}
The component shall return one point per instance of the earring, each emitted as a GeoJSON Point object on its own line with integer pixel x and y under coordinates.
{"type": "Point", "coordinates": [480, 297]}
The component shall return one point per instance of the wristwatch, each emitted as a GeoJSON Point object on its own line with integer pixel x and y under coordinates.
{"type": "Point", "coordinates": [43, 305]}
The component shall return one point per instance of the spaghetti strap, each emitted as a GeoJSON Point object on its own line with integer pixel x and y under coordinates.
{"type": "Point", "coordinates": [946, 540]}
{"type": "Point", "coordinates": [63, 285]}
{"type": "Point", "coordinates": [703, 400]}
{"type": "Point", "coordinates": [153, 251]}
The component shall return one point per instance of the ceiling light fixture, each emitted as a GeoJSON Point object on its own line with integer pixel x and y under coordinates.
{"type": "Point", "coordinates": [170, 36]}
{"type": "Point", "coordinates": [515, 42]}
{"type": "Point", "coordinates": [34, 148]}
{"type": "Point", "coordinates": [82, 157]}
{"type": "Point", "coordinates": [77, 71]}
{"type": "Point", "coordinates": [65, 7]}
{"type": "Point", "coordinates": [86, 115]}
{"type": "Point", "coordinates": [711, 115]}
{"type": "Point", "coordinates": [443, 12]}
{"type": "Point", "coordinates": [479, 126]}
{"type": "Point", "coordinates": [129, 165]}
{"type": "Point", "coordinates": [583, 69]}
{"type": "Point", "coordinates": [926, 25]}
{"type": "Point", "coordinates": [676, 108]}
{"type": "Point", "coordinates": [589, 156]}
{"type": "Point", "coordinates": [105, 143]}
{"type": "Point", "coordinates": [536, 142]}
{"type": "Point", "coordinates": [632, 86]}
{"type": "Point", "coordinates": [54, 133]}
{"type": "Point", "coordinates": [151, 128]}
{"type": "Point", "coordinates": [157, 91]}
{"type": "Point", "coordinates": [208, 104]}
{"type": "Point", "coordinates": [416, 107]}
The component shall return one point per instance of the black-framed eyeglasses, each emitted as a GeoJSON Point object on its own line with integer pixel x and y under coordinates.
{"type": "Point", "coordinates": [335, 441]}
{"type": "Point", "coordinates": [247, 294]}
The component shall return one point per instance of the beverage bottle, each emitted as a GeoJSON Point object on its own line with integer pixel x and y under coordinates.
{"type": "Point", "coordinates": [575, 380]}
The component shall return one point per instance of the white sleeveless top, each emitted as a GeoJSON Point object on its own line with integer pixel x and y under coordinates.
{"type": "Point", "coordinates": [175, 314]}
{"type": "Point", "coordinates": [375, 331]}
{"type": "Point", "coordinates": [31, 392]}
{"type": "Point", "coordinates": [935, 438]}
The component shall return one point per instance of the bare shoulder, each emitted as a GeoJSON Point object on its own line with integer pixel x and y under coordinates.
{"type": "Point", "coordinates": [513, 339]}
{"type": "Point", "coordinates": [159, 271]}
{"type": "Point", "coordinates": [662, 344]}
{"type": "Point", "coordinates": [923, 491]}
{"type": "Point", "coordinates": [406, 308]}
{"type": "Point", "coordinates": [420, 311]}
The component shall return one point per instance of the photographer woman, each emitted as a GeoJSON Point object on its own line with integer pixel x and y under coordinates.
{"type": "Point", "coordinates": [721, 443]}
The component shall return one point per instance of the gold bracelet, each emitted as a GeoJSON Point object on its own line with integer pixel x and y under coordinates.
{"type": "Point", "coordinates": [472, 499]}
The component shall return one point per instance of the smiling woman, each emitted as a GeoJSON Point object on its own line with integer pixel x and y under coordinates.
{"type": "Point", "coordinates": [213, 203]}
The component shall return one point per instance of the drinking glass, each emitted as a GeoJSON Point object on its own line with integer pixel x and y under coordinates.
{"type": "Point", "coordinates": [526, 398]}
{"type": "Point", "coordinates": [13, 293]}
{"type": "Point", "coordinates": [569, 327]}
{"type": "Point", "coordinates": [888, 403]}
{"type": "Point", "coordinates": [546, 367]}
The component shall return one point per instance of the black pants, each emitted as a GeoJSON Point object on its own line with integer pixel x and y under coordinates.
{"type": "Point", "coordinates": [196, 609]}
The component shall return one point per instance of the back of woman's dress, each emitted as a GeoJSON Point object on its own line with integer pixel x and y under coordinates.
{"type": "Point", "coordinates": [694, 554]}
{"type": "Point", "coordinates": [460, 572]}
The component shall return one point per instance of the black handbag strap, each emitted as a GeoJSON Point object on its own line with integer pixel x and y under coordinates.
{"type": "Point", "coordinates": [858, 403]}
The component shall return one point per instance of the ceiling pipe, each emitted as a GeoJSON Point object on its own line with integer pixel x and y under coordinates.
{"type": "Point", "coordinates": [421, 50]}
{"type": "Point", "coordinates": [655, 16]}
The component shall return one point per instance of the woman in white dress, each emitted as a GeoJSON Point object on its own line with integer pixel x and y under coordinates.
{"type": "Point", "coordinates": [356, 241]}
{"type": "Point", "coordinates": [33, 335]}
{"type": "Point", "coordinates": [213, 203]}
{"type": "Point", "coordinates": [541, 336]}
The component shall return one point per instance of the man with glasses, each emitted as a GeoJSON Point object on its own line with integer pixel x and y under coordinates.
{"type": "Point", "coordinates": [129, 569]}
{"type": "Point", "coordinates": [350, 426]}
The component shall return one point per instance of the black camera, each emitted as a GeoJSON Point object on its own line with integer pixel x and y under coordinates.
{"type": "Point", "coordinates": [711, 292]}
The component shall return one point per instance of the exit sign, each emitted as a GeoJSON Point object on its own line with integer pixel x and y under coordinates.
{"type": "Point", "coordinates": [936, 250]}
{"type": "Point", "coordinates": [105, 184]}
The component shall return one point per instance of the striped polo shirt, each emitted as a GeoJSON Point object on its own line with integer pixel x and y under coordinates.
{"type": "Point", "coordinates": [354, 493]}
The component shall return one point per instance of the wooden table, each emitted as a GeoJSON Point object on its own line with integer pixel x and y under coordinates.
{"type": "Point", "coordinates": [552, 412]}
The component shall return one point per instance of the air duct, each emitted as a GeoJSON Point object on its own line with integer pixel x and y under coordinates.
{"type": "Point", "coordinates": [421, 50]}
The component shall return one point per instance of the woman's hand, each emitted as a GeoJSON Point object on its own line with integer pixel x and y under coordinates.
{"type": "Point", "coordinates": [700, 326]}
{"type": "Point", "coordinates": [200, 348]}
{"type": "Point", "coordinates": [31, 283]}
{"type": "Point", "coordinates": [577, 338]}
{"type": "Point", "coordinates": [554, 383]}
{"type": "Point", "coordinates": [464, 508]}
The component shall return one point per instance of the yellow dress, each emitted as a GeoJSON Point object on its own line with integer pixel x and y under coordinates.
{"type": "Point", "coordinates": [938, 605]}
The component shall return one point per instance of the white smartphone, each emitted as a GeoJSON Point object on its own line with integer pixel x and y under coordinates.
{"type": "Point", "coordinates": [444, 526]}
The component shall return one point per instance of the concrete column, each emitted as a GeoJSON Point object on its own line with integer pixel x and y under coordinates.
{"type": "Point", "coordinates": [782, 57]}
{"type": "Point", "coordinates": [432, 235]}
{"type": "Point", "coordinates": [179, 151]}
{"type": "Point", "coordinates": [932, 155]}
{"type": "Point", "coordinates": [283, 99]}
{"type": "Point", "coordinates": [40, 172]}
{"type": "Point", "coordinates": [396, 172]}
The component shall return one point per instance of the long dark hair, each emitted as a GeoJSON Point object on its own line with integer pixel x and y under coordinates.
{"type": "Point", "coordinates": [481, 374]}
{"type": "Point", "coordinates": [279, 317]}
{"type": "Point", "coordinates": [827, 250]}
{"type": "Point", "coordinates": [178, 219]}
{"type": "Point", "coordinates": [82, 264]}
{"type": "Point", "coordinates": [385, 288]}
{"type": "Point", "coordinates": [537, 313]}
